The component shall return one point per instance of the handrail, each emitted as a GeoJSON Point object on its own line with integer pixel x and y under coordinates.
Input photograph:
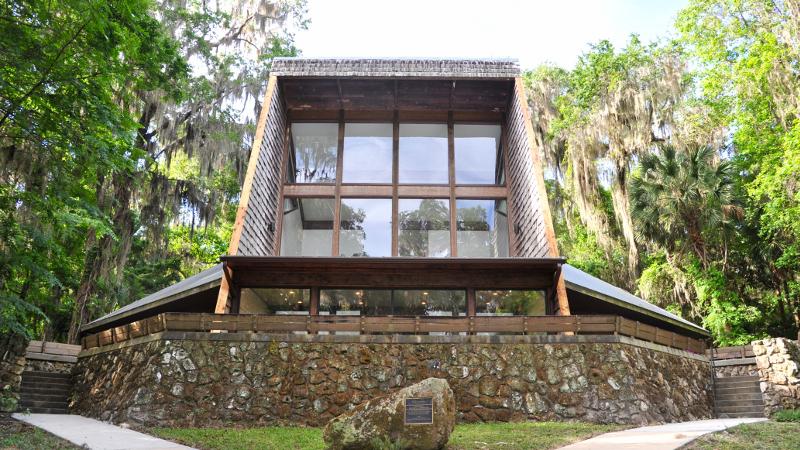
{"type": "Point", "coordinates": [518, 325]}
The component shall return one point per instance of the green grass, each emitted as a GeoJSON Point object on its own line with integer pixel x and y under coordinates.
{"type": "Point", "coordinates": [508, 436]}
{"type": "Point", "coordinates": [787, 415]}
{"type": "Point", "coordinates": [19, 435]}
{"type": "Point", "coordinates": [756, 436]}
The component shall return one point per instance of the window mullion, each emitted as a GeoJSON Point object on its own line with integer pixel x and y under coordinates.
{"type": "Point", "coordinates": [338, 191]}
{"type": "Point", "coordinates": [452, 182]}
{"type": "Point", "coordinates": [395, 182]}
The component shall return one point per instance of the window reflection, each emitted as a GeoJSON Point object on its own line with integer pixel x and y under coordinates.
{"type": "Point", "coordinates": [307, 228]}
{"type": "Point", "coordinates": [423, 154]}
{"type": "Point", "coordinates": [366, 227]}
{"type": "Point", "coordinates": [275, 301]}
{"type": "Point", "coordinates": [477, 154]}
{"type": "Point", "coordinates": [355, 302]}
{"type": "Point", "coordinates": [510, 303]}
{"type": "Point", "coordinates": [482, 228]}
{"type": "Point", "coordinates": [367, 153]}
{"type": "Point", "coordinates": [382, 302]}
{"type": "Point", "coordinates": [314, 157]}
{"type": "Point", "coordinates": [429, 303]}
{"type": "Point", "coordinates": [424, 227]}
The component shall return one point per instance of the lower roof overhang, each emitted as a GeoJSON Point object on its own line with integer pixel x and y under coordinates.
{"type": "Point", "coordinates": [392, 273]}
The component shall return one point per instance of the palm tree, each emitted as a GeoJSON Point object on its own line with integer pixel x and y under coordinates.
{"type": "Point", "coordinates": [679, 199]}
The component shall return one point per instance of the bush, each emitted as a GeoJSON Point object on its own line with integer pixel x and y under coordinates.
{"type": "Point", "coordinates": [787, 415]}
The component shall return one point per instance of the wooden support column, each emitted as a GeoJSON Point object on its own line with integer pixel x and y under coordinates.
{"type": "Point", "coordinates": [544, 205]}
{"type": "Point", "coordinates": [471, 304]}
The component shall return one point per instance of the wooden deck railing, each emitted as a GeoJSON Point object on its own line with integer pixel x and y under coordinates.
{"type": "Point", "coordinates": [519, 325]}
{"type": "Point", "coordinates": [735, 352]}
{"type": "Point", "coordinates": [52, 351]}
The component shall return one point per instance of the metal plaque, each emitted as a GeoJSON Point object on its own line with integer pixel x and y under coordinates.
{"type": "Point", "coordinates": [419, 411]}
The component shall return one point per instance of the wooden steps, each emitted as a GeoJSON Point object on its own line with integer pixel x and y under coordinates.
{"type": "Point", "coordinates": [738, 397]}
{"type": "Point", "coordinates": [44, 392]}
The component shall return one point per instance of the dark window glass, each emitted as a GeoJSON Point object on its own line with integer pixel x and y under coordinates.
{"type": "Point", "coordinates": [429, 303]}
{"type": "Point", "coordinates": [510, 303]}
{"type": "Point", "coordinates": [314, 157]}
{"type": "Point", "coordinates": [367, 153]}
{"type": "Point", "coordinates": [482, 228]}
{"type": "Point", "coordinates": [355, 302]}
{"type": "Point", "coordinates": [307, 228]}
{"type": "Point", "coordinates": [366, 227]}
{"type": "Point", "coordinates": [477, 154]}
{"type": "Point", "coordinates": [275, 301]}
{"type": "Point", "coordinates": [424, 227]}
{"type": "Point", "coordinates": [423, 154]}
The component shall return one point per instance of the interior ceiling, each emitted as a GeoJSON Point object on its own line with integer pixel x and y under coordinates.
{"type": "Point", "coordinates": [400, 94]}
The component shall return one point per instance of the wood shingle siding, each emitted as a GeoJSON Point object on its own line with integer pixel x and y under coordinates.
{"type": "Point", "coordinates": [395, 67]}
{"type": "Point", "coordinates": [258, 234]}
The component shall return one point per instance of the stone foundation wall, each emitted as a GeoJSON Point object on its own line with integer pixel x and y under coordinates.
{"type": "Point", "coordinates": [191, 379]}
{"type": "Point", "coordinates": [41, 365]}
{"type": "Point", "coordinates": [736, 368]}
{"type": "Point", "coordinates": [12, 364]}
{"type": "Point", "coordinates": [778, 361]}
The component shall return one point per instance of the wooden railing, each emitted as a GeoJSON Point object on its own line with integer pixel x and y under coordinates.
{"type": "Point", "coordinates": [518, 325]}
{"type": "Point", "coordinates": [736, 352]}
{"type": "Point", "coordinates": [52, 351]}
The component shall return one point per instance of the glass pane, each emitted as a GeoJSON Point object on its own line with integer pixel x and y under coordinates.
{"type": "Point", "coordinates": [314, 156]}
{"type": "Point", "coordinates": [367, 153]}
{"type": "Point", "coordinates": [510, 303]}
{"type": "Point", "coordinates": [366, 227]}
{"type": "Point", "coordinates": [424, 227]}
{"type": "Point", "coordinates": [275, 301]}
{"type": "Point", "coordinates": [477, 154]}
{"type": "Point", "coordinates": [307, 228]}
{"type": "Point", "coordinates": [482, 228]}
{"type": "Point", "coordinates": [423, 154]}
{"type": "Point", "coordinates": [429, 303]}
{"type": "Point", "coordinates": [355, 302]}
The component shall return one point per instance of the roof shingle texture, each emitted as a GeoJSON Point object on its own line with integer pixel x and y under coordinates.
{"type": "Point", "coordinates": [396, 67]}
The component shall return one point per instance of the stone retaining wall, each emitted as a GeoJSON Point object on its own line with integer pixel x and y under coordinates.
{"type": "Point", "coordinates": [12, 364]}
{"type": "Point", "coordinates": [192, 379]}
{"type": "Point", "coordinates": [742, 367]}
{"type": "Point", "coordinates": [43, 365]}
{"type": "Point", "coordinates": [778, 361]}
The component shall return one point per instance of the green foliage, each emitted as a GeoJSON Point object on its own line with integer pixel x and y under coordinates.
{"type": "Point", "coordinates": [787, 415]}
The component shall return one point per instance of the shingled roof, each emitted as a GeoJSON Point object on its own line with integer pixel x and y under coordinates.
{"type": "Point", "coordinates": [396, 67]}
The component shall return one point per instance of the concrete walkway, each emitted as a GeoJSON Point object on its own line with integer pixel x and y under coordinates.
{"type": "Point", "coordinates": [94, 434]}
{"type": "Point", "coordinates": [659, 437]}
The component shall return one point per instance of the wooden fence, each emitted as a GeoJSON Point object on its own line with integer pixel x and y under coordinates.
{"type": "Point", "coordinates": [736, 352]}
{"type": "Point", "coordinates": [52, 351]}
{"type": "Point", "coordinates": [518, 325]}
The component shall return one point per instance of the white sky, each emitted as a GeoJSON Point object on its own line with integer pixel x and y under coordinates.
{"type": "Point", "coordinates": [555, 31]}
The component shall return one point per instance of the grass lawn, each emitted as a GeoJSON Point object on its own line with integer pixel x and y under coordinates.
{"type": "Point", "coordinates": [508, 436]}
{"type": "Point", "coordinates": [761, 435]}
{"type": "Point", "coordinates": [19, 435]}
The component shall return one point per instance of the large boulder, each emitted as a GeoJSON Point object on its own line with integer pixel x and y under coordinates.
{"type": "Point", "coordinates": [381, 422]}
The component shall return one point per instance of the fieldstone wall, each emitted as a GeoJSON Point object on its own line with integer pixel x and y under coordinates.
{"type": "Point", "coordinates": [778, 361]}
{"type": "Point", "coordinates": [42, 365]}
{"type": "Point", "coordinates": [12, 364]}
{"type": "Point", "coordinates": [736, 368]}
{"type": "Point", "coordinates": [192, 379]}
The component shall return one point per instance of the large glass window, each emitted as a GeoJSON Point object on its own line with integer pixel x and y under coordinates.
{"type": "Point", "coordinates": [424, 227]}
{"type": "Point", "coordinates": [367, 153]}
{"type": "Point", "coordinates": [510, 303]}
{"type": "Point", "coordinates": [429, 303]}
{"type": "Point", "coordinates": [355, 302]}
{"type": "Point", "coordinates": [366, 227]}
{"type": "Point", "coordinates": [482, 228]}
{"type": "Point", "coordinates": [275, 301]}
{"type": "Point", "coordinates": [381, 302]}
{"type": "Point", "coordinates": [314, 157]}
{"type": "Point", "coordinates": [477, 154]}
{"type": "Point", "coordinates": [423, 154]}
{"type": "Point", "coordinates": [307, 228]}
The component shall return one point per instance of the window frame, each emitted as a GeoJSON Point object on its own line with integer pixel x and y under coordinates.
{"type": "Point", "coordinates": [396, 191]}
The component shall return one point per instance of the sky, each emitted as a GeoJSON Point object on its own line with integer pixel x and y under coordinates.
{"type": "Point", "coordinates": [534, 31]}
